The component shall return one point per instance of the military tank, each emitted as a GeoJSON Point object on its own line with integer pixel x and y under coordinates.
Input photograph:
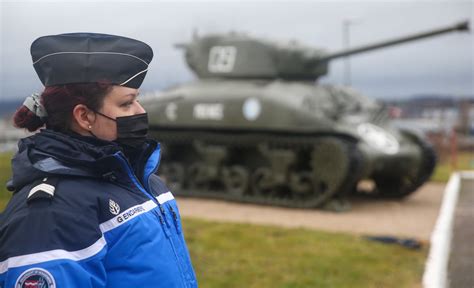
{"type": "Point", "coordinates": [256, 127]}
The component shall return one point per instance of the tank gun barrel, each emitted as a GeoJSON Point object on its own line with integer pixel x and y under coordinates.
{"type": "Point", "coordinates": [462, 26]}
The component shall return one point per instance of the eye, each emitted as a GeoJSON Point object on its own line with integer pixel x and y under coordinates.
{"type": "Point", "coordinates": [127, 104]}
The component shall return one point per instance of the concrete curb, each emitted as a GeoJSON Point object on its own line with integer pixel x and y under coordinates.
{"type": "Point", "coordinates": [435, 275]}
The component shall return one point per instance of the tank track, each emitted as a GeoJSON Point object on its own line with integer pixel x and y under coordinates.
{"type": "Point", "coordinates": [403, 186]}
{"type": "Point", "coordinates": [307, 171]}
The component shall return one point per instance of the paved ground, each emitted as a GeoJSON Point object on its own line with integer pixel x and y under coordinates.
{"type": "Point", "coordinates": [461, 264]}
{"type": "Point", "coordinates": [413, 217]}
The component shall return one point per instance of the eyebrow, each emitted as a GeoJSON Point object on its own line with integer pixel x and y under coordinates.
{"type": "Point", "coordinates": [132, 94]}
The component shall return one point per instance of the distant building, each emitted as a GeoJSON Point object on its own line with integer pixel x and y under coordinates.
{"type": "Point", "coordinates": [438, 117]}
{"type": "Point", "coordinates": [437, 114]}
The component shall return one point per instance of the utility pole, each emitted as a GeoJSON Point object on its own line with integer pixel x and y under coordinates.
{"type": "Point", "coordinates": [346, 42]}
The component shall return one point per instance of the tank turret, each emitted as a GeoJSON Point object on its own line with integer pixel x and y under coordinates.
{"type": "Point", "coordinates": [235, 55]}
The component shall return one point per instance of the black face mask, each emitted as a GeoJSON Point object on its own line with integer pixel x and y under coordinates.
{"type": "Point", "coordinates": [132, 131]}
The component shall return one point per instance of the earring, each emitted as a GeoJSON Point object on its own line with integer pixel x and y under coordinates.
{"type": "Point", "coordinates": [90, 127]}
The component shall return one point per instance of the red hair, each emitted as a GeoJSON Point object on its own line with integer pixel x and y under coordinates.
{"type": "Point", "coordinates": [59, 102]}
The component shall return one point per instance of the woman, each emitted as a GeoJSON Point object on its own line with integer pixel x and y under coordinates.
{"type": "Point", "coordinates": [88, 209]}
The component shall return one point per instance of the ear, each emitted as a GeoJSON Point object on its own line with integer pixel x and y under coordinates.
{"type": "Point", "coordinates": [83, 117]}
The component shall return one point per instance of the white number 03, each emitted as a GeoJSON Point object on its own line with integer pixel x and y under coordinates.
{"type": "Point", "coordinates": [221, 59]}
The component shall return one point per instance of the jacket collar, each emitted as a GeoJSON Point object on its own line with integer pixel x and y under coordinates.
{"type": "Point", "coordinates": [53, 153]}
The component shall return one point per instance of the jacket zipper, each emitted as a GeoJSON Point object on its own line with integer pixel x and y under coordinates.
{"type": "Point", "coordinates": [190, 270]}
{"type": "Point", "coordinates": [161, 218]}
{"type": "Point", "coordinates": [176, 222]}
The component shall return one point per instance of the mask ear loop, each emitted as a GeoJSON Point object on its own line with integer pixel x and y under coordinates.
{"type": "Point", "coordinates": [103, 115]}
{"type": "Point", "coordinates": [113, 119]}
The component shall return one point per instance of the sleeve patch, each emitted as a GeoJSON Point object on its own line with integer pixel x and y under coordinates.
{"type": "Point", "coordinates": [43, 187]}
{"type": "Point", "coordinates": [44, 190]}
{"type": "Point", "coordinates": [35, 277]}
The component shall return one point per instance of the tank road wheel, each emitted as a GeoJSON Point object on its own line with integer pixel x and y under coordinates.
{"type": "Point", "coordinates": [262, 181]}
{"type": "Point", "coordinates": [205, 172]}
{"type": "Point", "coordinates": [197, 175]}
{"type": "Point", "coordinates": [301, 183]}
{"type": "Point", "coordinates": [271, 181]}
{"type": "Point", "coordinates": [235, 179]}
{"type": "Point", "coordinates": [173, 174]}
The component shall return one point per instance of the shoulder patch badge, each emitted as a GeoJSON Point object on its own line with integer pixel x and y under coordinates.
{"type": "Point", "coordinates": [44, 189]}
{"type": "Point", "coordinates": [114, 207]}
{"type": "Point", "coordinates": [35, 278]}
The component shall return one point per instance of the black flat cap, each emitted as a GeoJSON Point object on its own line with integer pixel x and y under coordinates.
{"type": "Point", "coordinates": [90, 57]}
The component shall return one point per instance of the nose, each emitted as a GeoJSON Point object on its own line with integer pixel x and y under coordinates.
{"type": "Point", "coordinates": [140, 109]}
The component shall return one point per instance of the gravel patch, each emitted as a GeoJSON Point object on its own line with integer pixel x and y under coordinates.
{"type": "Point", "coordinates": [412, 217]}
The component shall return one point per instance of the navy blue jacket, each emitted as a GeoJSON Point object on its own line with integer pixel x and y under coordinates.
{"type": "Point", "coordinates": [83, 216]}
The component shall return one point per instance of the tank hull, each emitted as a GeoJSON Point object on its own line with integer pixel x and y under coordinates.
{"type": "Point", "coordinates": [281, 143]}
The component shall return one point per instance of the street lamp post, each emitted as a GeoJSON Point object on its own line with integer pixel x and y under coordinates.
{"type": "Point", "coordinates": [346, 42]}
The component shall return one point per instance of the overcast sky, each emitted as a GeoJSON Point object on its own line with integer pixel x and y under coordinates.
{"type": "Point", "coordinates": [440, 65]}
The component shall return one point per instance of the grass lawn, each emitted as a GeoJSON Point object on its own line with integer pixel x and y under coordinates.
{"type": "Point", "coordinates": [242, 255]}
{"type": "Point", "coordinates": [465, 161]}
{"type": "Point", "coordinates": [5, 175]}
